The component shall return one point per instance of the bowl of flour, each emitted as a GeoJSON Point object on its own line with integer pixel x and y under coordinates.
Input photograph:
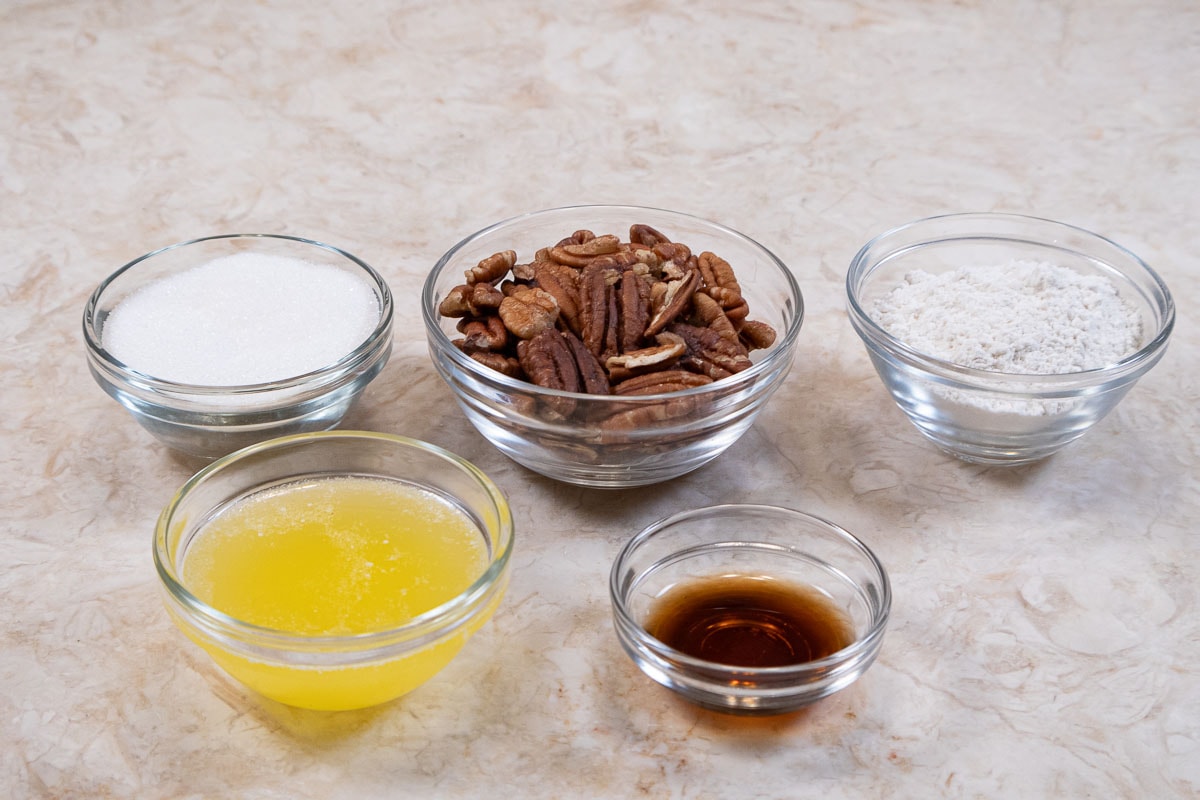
{"type": "Point", "coordinates": [1003, 337]}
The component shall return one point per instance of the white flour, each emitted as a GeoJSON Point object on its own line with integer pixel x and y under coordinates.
{"type": "Point", "coordinates": [1025, 317]}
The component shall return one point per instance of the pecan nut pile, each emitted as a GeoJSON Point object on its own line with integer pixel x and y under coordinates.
{"type": "Point", "coordinates": [597, 315]}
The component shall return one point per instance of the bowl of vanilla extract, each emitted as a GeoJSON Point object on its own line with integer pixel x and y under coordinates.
{"type": "Point", "coordinates": [750, 609]}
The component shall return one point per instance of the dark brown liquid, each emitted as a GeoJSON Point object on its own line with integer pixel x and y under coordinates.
{"type": "Point", "coordinates": [743, 621]}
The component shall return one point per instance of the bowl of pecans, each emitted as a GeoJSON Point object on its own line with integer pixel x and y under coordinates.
{"type": "Point", "coordinates": [611, 346]}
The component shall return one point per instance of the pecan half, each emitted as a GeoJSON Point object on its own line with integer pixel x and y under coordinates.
{"type": "Point", "coordinates": [671, 301]}
{"type": "Point", "coordinates": [492, 268]}
{"type": "Point", "coordinates": [642, 417]}
{"type": "Point", "coordinates": [483, 333]}
{"type": "Point", "coordinates": [756, 335]}
{"type": "Point", "coordinates": [634, 309]}
{"type": "Point", "coordinates": [672, 251]}
{"type": "Point", "coordinates": [595, 298]}
{"type": "Point", "coordinates": [645, 235]}
{"type": "Point", "coordinates": [708, 353]}
{"type": "Point", "coordinates": [720, 283]}
{"type": "Point", "coordinates": [548, 361]}
{"type": "Point", "coordinates": [455, 303]}
{"type": "Point", "coordinates": [656, 382]}
{"type": "Point", "coordinates": [528, 311]}
{"type": "Point", "coordinates": [612, 326]}
{"type": "Point", "coordinates": [563, 283]}
{"type": "Point", "coordinates": [648, 359]}
{"type": "Point", "coordinates": [470, 300]}
{"type": "Point", "coordinates": [579, 255]}
{"type": "Point", "coordinates": [737, 314]}
{"type": "Point", "coordinates": [709, 314]}
{"type": "Point", "coordinates": [639, 417]}
{"type": "Point", "coordinates": [506, 365]}
{"type": "Point", "coordinates": [595, 379]}
{"type": "Point", "coordinates": [557, 359]}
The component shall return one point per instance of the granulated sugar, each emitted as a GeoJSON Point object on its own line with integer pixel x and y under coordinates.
{"type": "Point", "coordinates": [1024, 317]}
{"type": "Point", "coordinates": [242, 319]}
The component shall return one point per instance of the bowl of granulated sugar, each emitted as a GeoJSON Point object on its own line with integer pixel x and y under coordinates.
{"type": "Point", "coordinates": [217, 343]}
{"type": "Point", "coordinates": [1003, 337]}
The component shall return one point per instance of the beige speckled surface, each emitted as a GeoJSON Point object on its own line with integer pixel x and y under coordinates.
{"type": "Point", "coordinates": [1044, 639]}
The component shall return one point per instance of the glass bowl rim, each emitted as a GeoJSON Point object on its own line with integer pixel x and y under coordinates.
{"type": "Point", "coordinates": [868, 641]}
{"type": "Point", "coordinates": [113, 367]}
{"type": "Point", "coordinates": [434, 621]}
{"type": "Point", "coordinates": [780, 351]}
{"type": "Point", "coordinates": [876, 336]}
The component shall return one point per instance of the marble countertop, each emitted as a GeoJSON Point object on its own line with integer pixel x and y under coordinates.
{"type": "Point", "coordinates": [1045, 631]}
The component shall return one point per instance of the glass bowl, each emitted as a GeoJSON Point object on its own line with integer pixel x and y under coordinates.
{"type": "Point", "coordinates": [571, 436]}
{"type": "Point", "coordinates": [208, 420]}
{"type": "Point", "coordinates": [775, 549]}
{"type": "Point", "coordinates": [358, 668]}
{"type": "Point", "coordinates": [988, 416]}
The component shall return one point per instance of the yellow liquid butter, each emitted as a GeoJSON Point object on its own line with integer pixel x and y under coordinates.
{"type": "Point", "coordinates": [336, 557]}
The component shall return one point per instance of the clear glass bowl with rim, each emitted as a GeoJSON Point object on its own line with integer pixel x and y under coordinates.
{"type": "Point", "coordinates": [766, 544]}
{"type": "Point", "coordinates": [570, 436]}
{"type": "Point", "coordinates": [333, 672]}
{"type": "Point", "coordinates": [211, 421]}
{"type": "Point", "coordinates": [987, 416]}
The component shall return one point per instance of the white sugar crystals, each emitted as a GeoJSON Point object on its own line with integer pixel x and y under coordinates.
{"type": "Point", "coordinates": [246, 318]}
{"type": "Point", "coordinates": [1023, 317]}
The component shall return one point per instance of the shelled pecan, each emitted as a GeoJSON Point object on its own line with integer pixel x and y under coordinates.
{"type": "Point", "coordinates": [527, 311]}
{"type": "Point", "coordinates": [485, 333]}
{"type": "Point", "coordinates": [595, 314]}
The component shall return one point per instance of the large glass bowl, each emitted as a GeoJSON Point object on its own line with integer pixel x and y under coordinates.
{"type": "Point", "coordinates": [211, 421]}
{"type": "Point", "coordinates": [676, 432]}
{"type": "Point", "coordinates": [988, 416]}
{"type": "Point", "coordinates": [347, 671]}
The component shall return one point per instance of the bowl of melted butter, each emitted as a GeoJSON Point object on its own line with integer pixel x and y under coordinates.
{"type": "Point", "coordinates": [334, 570]}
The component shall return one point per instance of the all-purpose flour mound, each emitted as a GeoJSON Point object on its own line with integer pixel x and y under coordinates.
{"type": "Point", "coordinates": [1024, 317]}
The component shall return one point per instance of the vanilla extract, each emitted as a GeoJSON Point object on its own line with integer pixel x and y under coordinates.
{"type": "Point", "coordinates": [749, 621]}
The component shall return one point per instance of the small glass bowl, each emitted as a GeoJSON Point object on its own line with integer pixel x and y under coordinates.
{"type": "Point", "coordinates": [678, 432]}
{"type": "Point", "coordinates": [757, 541]}
{"type": "Point", "coordinates": [334, 672]}
{"type": "Point", "coordinates": [211, 421]}
{"type": "Point", "coordinates": [991, 417]}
